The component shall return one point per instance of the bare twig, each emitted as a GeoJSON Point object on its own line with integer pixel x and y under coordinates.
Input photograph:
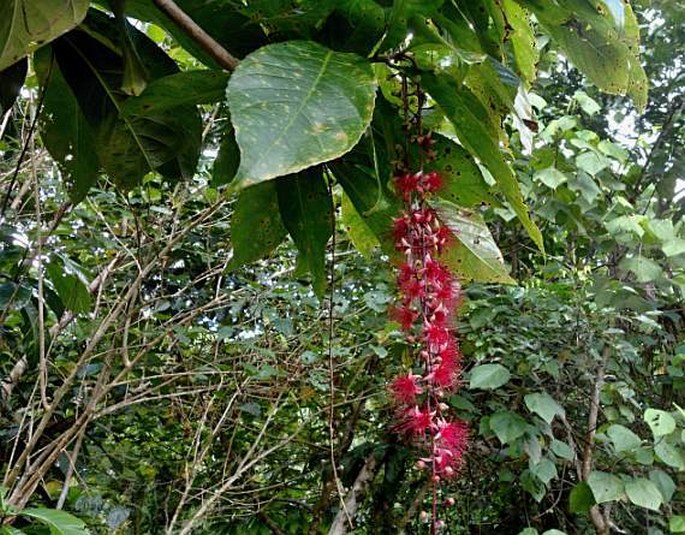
{"type": "Point", "coordinates": [70, 469]}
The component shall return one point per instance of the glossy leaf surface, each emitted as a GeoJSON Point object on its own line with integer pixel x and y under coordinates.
{"type": "Point", "coordinates": [297, 104]}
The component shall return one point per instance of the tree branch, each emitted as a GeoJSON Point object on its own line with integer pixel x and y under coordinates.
{"type": "Point", "coordinates": [222, 56]}
{"type": "Point", "coordinates": [353, 499]}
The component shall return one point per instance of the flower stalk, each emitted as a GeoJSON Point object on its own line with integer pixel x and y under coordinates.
{"type": "Point", "coordinates": [425, 309]}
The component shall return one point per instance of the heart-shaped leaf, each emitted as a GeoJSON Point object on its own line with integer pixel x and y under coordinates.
{"type": "Point", "coordinates": [644, 493]}
{"type": "Point", "coordinates": [605, 487]}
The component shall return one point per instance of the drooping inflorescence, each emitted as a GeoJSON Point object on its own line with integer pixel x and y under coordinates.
{"type": "Point", "coordinates": [425, 309]}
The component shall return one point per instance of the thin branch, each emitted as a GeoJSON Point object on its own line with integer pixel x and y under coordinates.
{"type": "Point", "coordinates": [222, 56]}
{"type": "Point", "coordinates": [70, 469]}
{"type": "Point", "coordinates": [599, 520]}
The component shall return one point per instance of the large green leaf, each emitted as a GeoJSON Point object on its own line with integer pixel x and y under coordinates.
{"type": "Point", "coordinates": [128, 147]}
{"type": "Point", "coordinates": [508, 426]}
{"type": "Point", "coordinates": [644, 493]}
{"type": "Point", "coordinates": [544, 405]}
{"type": "Point", "coordinates": [189, 87]}
{"type": "Point", "coordinates": [256, 227]}
{"type": "Point", "coordinates": [605, 487]}
{"type": "Point", "coordinates": [603, 43]}
{"type": "Point", "coordinates": [60, 522]}
{"type": "Point", "coordinates": [522, 39]}
{"type": "Point", "coordinates": [307, 213]}
{"type": "Point", "coordinates": [69, 287]}
{"type": "Point", "coordinates": [27, 24]}
{"type": "Point", "coordinates": [463, 183]}
{"type": "Point", "coordinates": [64, 129]}
{"type": "Point", "coordinates": [361, 236]}
{"type": "Point", "coordinates": [372, 201]}
{"type": "Point", "coordinates": [474, 256]}
{"type": "Point", "coordinates": [297, 104]}
{"type": "Point", "coordinates": [489, 376]}
{"type": "Point", "coordinates": [470, 120]}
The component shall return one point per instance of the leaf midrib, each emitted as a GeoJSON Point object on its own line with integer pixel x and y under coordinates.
{"type": "Point", "coordinates": [285, 129]}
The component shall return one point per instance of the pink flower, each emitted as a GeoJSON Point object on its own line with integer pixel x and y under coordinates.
{"type": "Point", "coordinates": [427, 290]}
{"type": "Point", "coordinates": [416, 421]}
{"type": "Point", "coordinates": [400, 228]}
{"type": "Point", "coordinates": [405, 389]}
{"type": "Point", "coordinates": [436, 336]}
{"type": "Point", "coordinates": [436, 274]}
{"type": "Point", "coordinates": [405, 273]}
{"type": "Point", "coordinates": [403, 315]}
{"type": "Point", "coordinates": [407, 184]}
{"type": "Point", "coordinates": [453, 436]}
{"type": "Point", "coordinates": [431, 181]}
{"type": "Point", "coordinates": [448, 294]}
{"type": "Point", "coordinates": [443, 237]}
{"type": "Point", "coordinates": [445, 374]}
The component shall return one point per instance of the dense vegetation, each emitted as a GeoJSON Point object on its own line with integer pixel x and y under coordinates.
{"type": "Point", "coordinates": [196, 263]}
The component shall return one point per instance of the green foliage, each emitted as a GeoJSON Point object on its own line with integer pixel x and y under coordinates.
{"type": "Point", "coordinates": [115, 101]}
{"type": "Point", "coordinates": [166, 364]}
{"type": "Point", "coordinates": [489, 376]}
{"type": "Point", "coordinates": [59, 522]}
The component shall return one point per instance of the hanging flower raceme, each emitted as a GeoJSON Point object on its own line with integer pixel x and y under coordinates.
{"type": "Point", "coordinates": [428, 298]}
